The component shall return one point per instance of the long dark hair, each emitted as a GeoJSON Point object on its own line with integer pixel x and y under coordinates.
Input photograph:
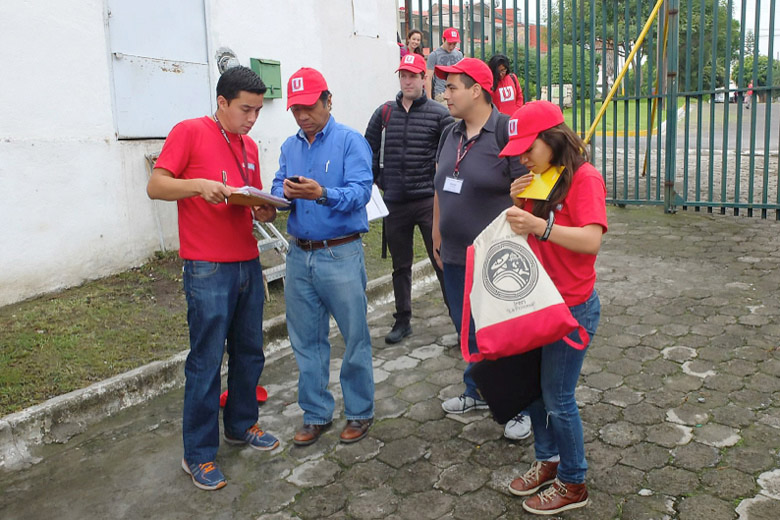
{"type": "Point", "coordinates": [494, 63]}
{"type": "Point", "coordinates": [418, 50]}
{"type": "Point", "coordinates": [568, 150]}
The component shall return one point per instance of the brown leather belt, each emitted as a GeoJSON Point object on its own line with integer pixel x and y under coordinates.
{"type": "Point", "coordinates": [311, 245]}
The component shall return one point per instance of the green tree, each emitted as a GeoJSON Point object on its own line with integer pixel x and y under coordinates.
{"type": "Point", "coordinates": [762, 73]}
{"type": "Point", "coordinates": [617, 24]}
{"type": "Point", "coordinates": [750, 42]}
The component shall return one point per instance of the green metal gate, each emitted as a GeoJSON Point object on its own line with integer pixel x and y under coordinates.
{"type": "Point", "coordinates": [692, 125]}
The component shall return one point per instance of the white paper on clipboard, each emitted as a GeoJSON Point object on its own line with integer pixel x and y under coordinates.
{"type": "Point", "coordinates": [376, 206]}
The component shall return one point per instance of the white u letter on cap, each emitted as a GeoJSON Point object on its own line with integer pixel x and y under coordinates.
{"type": "Point", "coordinates": [297, 84]}
{"type": "Point", "coordinates": [409, 58]}
{"type": "Point", "coordinates": [512, 127]}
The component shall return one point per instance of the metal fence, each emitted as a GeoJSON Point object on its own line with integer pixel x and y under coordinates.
{"type": "Point", "coordinates": [692, 125]}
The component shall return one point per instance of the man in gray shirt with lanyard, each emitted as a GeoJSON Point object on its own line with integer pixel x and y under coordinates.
{"type": "Point", "coordinates": [472, 187]}
{"type": "Point", "coordinates": [447, 54]}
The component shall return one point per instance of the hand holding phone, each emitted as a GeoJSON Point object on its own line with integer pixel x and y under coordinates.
{"type": "Point", "coordinates": [295, 178]}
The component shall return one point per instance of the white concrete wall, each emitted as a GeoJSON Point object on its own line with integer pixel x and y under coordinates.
{"type": "Point", "coordinates": [74, 205]}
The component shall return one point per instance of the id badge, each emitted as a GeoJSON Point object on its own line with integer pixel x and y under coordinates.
{"type": "Point", "coordinates": [453, 185]}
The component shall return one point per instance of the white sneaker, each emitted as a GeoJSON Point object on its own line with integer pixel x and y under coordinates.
{"type": "Point", "coordinates": [463, 404]}
{"type": "Point", "coordinates": [518, 428]}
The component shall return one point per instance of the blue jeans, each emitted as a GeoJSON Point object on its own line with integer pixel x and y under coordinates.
{"type": "Point", "coordinates": [454, 283]}
{"type": "Point", "coordinates": [224, 302]}
{"type": "Point", "coordinates": [321, 283]}
{"type": "Point", "coordinates": [555, 417]}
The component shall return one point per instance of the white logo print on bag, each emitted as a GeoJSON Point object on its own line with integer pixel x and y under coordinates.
{"type": "Point", "coordinates": [297, 84]}
{"type": "Point", "coordinates": [510, 272]}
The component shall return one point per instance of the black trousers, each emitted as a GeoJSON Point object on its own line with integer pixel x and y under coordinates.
{"type": "Point", "coordinates": [399, 231]}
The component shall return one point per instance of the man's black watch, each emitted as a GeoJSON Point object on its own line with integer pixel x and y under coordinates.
{"type": "Point", "coordinates": [324, 197]}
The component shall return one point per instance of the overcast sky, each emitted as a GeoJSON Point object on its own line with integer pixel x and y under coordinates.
{"type": "Point", "coordinates": [762, 35]}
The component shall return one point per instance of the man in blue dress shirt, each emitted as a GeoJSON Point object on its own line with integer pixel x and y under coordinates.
{"type": "Point", "coordinates": [325, 170]}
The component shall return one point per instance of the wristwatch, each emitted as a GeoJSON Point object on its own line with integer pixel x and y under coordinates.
{"type": "Point", "coordinates": [324, 197]}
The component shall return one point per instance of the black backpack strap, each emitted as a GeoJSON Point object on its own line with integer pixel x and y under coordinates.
{"type": "Point", "coordinates": [502, 130]}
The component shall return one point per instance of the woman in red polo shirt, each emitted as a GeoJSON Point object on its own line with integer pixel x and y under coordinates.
{"type": "Point", "coordinates": [565, 234]}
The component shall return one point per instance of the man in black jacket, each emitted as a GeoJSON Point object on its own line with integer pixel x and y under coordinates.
{"type": "Point", "coordinates": [404, 136]}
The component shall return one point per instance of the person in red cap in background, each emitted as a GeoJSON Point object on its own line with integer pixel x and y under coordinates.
{"type": "Point", "coordinates": [325, 170]}
{"type": "Point", "coordinates": [472, 188]}
{"type": "Point", "coordinates": [222, 276]}
{"type": "Point", "coordinates": [445, 55]}
{"type": "Point", "coordinates": [404, 135]}
{"type": "Point", "coordinates": [565, 233]}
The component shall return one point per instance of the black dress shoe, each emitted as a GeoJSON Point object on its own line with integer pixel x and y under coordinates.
{"type": "Point", "coordinates": [399, 332]}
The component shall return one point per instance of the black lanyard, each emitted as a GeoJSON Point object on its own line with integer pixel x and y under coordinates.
{"type": "Point", "coordinates": [460, 155]}
{"type": "Point", "coordinates": [241, 170]}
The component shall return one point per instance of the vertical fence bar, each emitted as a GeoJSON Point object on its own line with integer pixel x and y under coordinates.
{"type": "Point", "coordinates": [626, 102]}
{"type": "Point", "coordinates": [451, 24]}
{"type": "Point", "coordinates": [549, 50]}
{"type": "Point", "coordinates": [741, 83]}
{"type": "Point", "coordinates": [460, 25]}
{"type": "Point", "coordinates": [526, 55]}
{"type": "Point", "coordinates": [725, 164]}
{"type": "Point", "coordinates": [560, 53]}
{"type": "Point", "coordinates": [615, 69]}
{"type": "Point", "coordinates": [583, 72]}
{"type": "Point", "coordinates": [574, 76]}
{"type": "Point", "coordinates": [604, 91]}
{"type": "Point", "coordinates": [636, 69]}
{"type": "Point", "coordinates": [503, 27]}
{"type": "Point", "coordinates": [471, 27]}
{"type": "Point", "coordinates": [713, 85]}
{"type": "Point", "coordinates": [754, 108]}
{"type": "Point", "coordinates": [673, 51]}
{"type": "Point", "coordinates": [768, 113]}
{"type": "Point", "coordinates": [514, 44]}
{"type": "Point", "coordinates": [538, 53]}
{"type": "Point", "coordinates": [700, 97]}
{"type": "Point", "coordinates": [592, 89]}
{"type": "Point", "coordinates": [661, 99]}
{"type": "Point", "coordinates": [482, 30]}
{"type": "Point", "coordinates": [492, 28]}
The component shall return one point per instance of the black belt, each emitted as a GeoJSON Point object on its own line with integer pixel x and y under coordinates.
{"type": "Point", "coordinates": [311, 245]}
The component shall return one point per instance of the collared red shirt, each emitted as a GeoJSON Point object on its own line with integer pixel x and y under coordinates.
{"type": "Point", "coordinates": [339, 159]}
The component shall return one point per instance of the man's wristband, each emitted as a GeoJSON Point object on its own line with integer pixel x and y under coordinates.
{"type": "Point", "coordinates": [550, 222]}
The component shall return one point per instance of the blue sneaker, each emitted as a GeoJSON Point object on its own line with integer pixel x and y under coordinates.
{"type": "Point", "coordinates": [205, 476]}
{"type": "Point", "coordinates": [256, 438]}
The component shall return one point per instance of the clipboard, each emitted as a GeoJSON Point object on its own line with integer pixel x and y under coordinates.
{"type": "Point", "coordinates": [376, 207]}
{"type": "Point", "coordinates": [251, 196]}
{"type": "Point", "coordinates": [542, 184]}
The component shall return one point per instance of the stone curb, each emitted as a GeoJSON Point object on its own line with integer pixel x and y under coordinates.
{"type": "Point", "coordinates": [62, 417]}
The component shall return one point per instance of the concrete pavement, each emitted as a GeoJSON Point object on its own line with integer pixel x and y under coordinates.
{"type": "Point", "coordinates": [679, 394]}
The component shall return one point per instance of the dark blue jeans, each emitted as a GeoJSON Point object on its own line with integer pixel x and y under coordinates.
{"type": "Point", "coordinates": [454, 283]}
{"type": "Point", "coordinates": [224, 302]}
{"type": "Point", "coordinates": [555, 417]}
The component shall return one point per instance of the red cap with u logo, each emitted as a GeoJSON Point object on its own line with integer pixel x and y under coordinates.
{"type": "Point", "coordinates": [412, 62]}
{"type": "Point", "coordinates": [527, 122]}
{"type": "Point", "coordinates": [305, 87]}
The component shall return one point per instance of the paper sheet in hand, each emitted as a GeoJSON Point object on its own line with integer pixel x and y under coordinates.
{"type": "Point", "coordinates": [251, 196]}
{"type": "Point", "coordinates": [542, 185]}
{"type": "Point", "coordinates": [376, 206]}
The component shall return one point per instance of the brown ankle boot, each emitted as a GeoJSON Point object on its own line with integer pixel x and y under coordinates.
{"type": "Point", "coordinates": [539, 474]}
{"type": "Point", "coordinates": [557, 498]}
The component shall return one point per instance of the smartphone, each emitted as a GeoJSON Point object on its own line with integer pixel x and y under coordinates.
{"type": "Point", "coordinates": [294, 179]}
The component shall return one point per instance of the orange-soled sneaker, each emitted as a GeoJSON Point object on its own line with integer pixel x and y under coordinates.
{"type": "Point", "coordinates": [206, 476]}
{"type": "Point", "coordinates": [538, 475]}
{"type": "Point", "coordinates": [557, 498]}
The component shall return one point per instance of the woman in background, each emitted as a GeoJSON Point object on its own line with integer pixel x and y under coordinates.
{"type": "Point", "coordinates": [507, 94]}
{"type": "Point", "coordinates": [413, 43]}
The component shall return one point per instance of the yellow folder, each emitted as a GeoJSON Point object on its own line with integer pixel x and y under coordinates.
{"type": "Point", "coordinates": [542, 184]}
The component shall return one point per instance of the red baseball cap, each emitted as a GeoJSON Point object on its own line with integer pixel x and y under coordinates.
{"type": "Point", "coordinates": [413, 62]}
{"type": "Point", "coordinates": [305, 87]}
{"type": "Point", "coordinates": [526, 123]}
{"type": "Point", "coordinates": [451, 35]}
{"type": "Point", "coordinates": [473, 68]}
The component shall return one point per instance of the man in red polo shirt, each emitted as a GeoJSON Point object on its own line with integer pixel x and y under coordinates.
{"type": "Point", "coordinates": [201, 160]}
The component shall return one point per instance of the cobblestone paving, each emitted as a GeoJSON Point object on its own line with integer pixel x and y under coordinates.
{"type": "Point", "coordinates": [679, 395]}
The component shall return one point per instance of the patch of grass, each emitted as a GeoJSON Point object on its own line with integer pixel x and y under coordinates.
{"type": "Point", "coordinates": [59, 342]}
